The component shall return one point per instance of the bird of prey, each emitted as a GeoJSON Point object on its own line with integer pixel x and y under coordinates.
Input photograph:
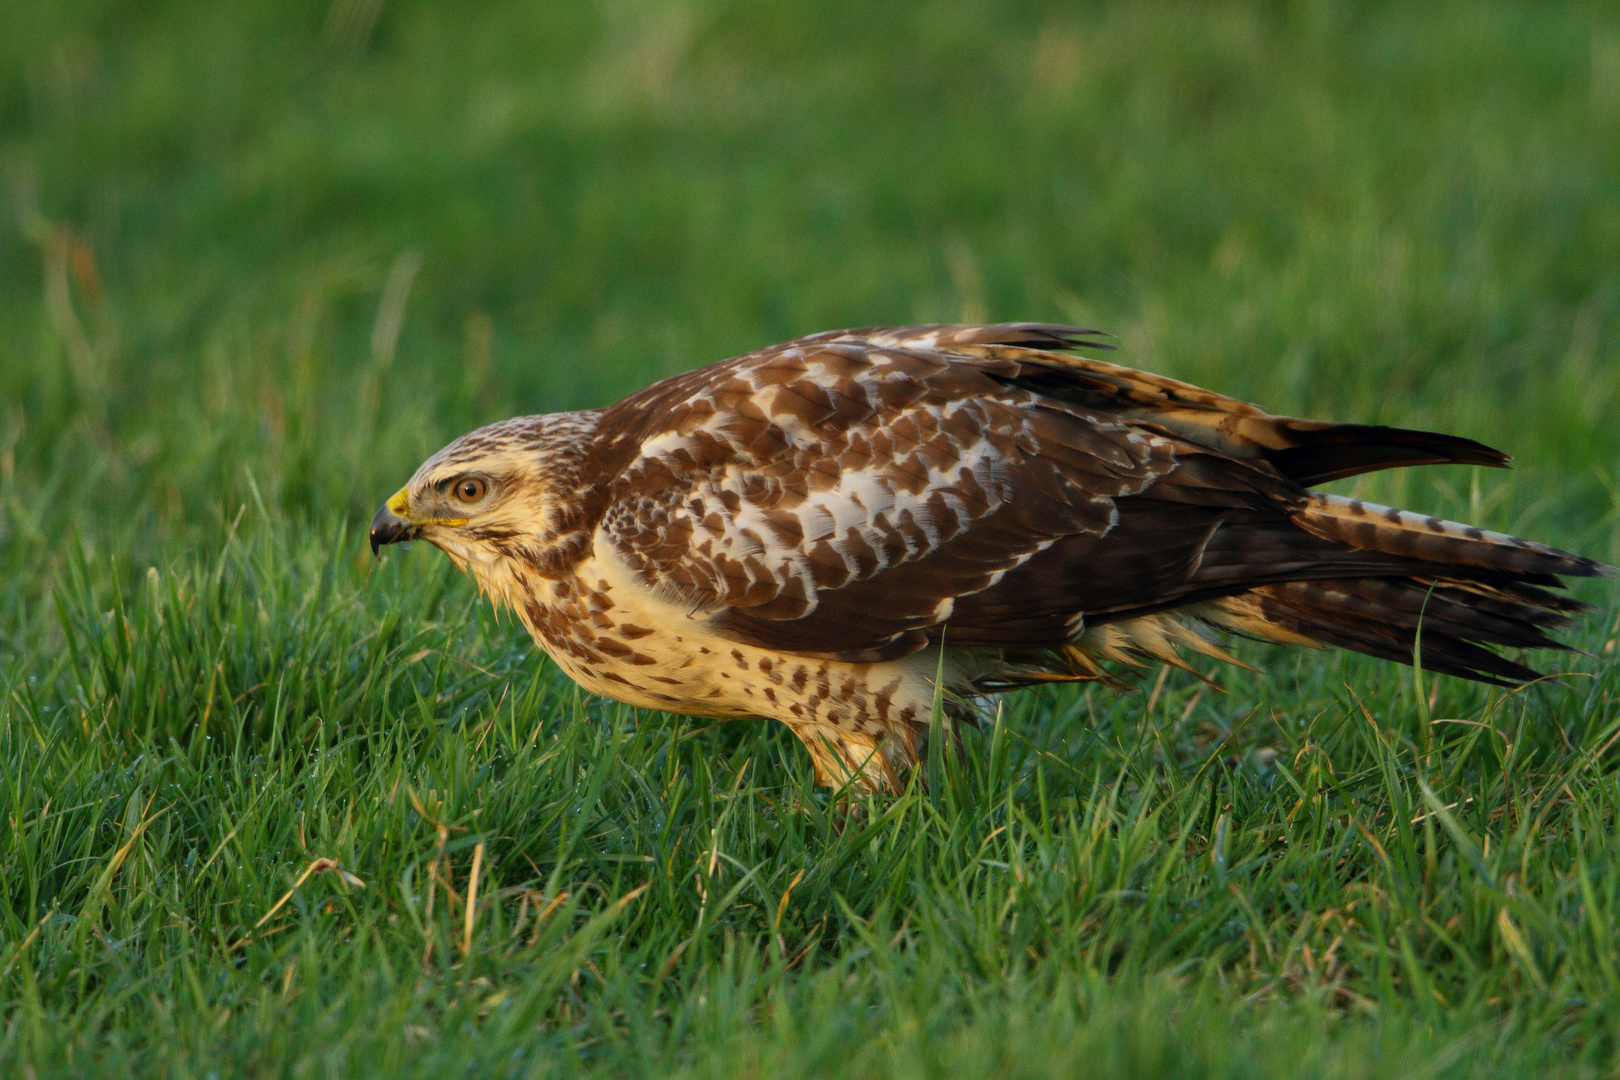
{"type": "Point", "coordinates": [815, 531]}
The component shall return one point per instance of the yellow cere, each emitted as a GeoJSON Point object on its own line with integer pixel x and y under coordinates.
{"type": "Point", "coordinates": [399, 503]}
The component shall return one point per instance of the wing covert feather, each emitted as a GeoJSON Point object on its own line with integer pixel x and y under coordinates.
{"type": "Point", "coordinates": [838, 497]}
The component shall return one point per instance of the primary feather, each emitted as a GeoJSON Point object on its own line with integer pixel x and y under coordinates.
{"type": "Point", "coordinates": [797, 532]}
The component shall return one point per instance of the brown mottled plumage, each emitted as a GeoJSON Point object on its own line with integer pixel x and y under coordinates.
{"type": "Point", "coordinates": [797, 532]}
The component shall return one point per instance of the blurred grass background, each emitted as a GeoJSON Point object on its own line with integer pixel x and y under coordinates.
{"type": "Point", "coordinates": [257, 259]}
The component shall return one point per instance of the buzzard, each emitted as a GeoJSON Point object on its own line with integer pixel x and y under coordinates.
{"type": "Point", "coordinates": [815, 531]}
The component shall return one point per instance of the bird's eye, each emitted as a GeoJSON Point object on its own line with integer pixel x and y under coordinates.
{"type": "Point", "coordinates": [470, 489]}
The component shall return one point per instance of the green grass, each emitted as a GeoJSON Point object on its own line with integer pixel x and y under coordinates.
{"type": "Point", "coordinates": [1393, 213]}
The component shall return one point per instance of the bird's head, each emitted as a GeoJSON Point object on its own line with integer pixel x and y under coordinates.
{"type": "Point", "coordinates": [493, 497]}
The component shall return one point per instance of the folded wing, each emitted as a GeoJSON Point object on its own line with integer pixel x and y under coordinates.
{"type": "Point", "coordinates": [857, 494]}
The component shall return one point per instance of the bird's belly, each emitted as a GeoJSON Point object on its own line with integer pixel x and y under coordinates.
{"type": "Point", "coordinates": [617, 639]}
{"type": "Point", "coordinates": [859, 721]}
{"type": "Point", "coordinates": [672, 676]}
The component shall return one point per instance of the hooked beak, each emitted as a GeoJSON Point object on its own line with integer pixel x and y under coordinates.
{"type": "Point", "coordinates": [388, 527]}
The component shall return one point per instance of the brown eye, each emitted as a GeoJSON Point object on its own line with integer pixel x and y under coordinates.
{"type": "Point", "coordinates": [470, 489]}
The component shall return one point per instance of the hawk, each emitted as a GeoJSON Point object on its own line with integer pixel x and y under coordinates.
{"type": "Point", "coordinates": [815, 531]}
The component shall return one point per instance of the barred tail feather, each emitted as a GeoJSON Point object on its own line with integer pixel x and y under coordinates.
{"type": "Point", "coordinates": [1372, 527]}
{"type": "Point", "coordinates": [1454, 593]}
{"type": "Point", "coordinates": [1448, 636]}
{"type": "Point", "coordinates": [1469, 591]}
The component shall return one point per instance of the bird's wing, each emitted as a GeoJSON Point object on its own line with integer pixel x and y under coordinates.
{"type": "Point", "coordinates": [835, 495]}
{"type": "Point", "coordinates": [1309, 452]}
{"type": "Point", "coordinates": [852, 493]}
